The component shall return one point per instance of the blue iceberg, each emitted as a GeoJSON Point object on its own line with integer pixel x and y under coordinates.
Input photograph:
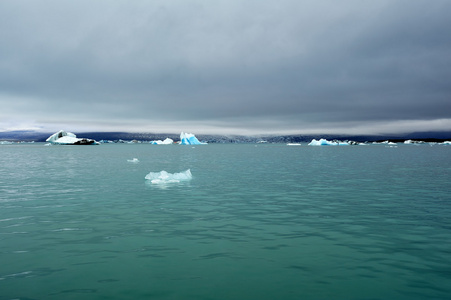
{"type": "Point", "coordinates": [324, 142]}
{"type": "Point", "coordinates": [189, 139]}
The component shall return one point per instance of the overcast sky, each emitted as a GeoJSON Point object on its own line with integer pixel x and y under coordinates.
{"type": "Point", "coordinates": [350, 66]}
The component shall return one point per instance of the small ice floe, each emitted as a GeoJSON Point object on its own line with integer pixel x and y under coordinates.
{"type": "Point", "coordinates": [134, 160]}
{"type": "Point", "coordinates": [412, 142]}
{"type": "Point", "coordinates": [385, 143]}
{"type": "Point", "coordinates": [167, 141]}
{"type": "Point", "coordinates": [165, 177]}
{"type": "Point", "coordinates": [293, 144]}
{"type": "Point", "coordinates": [324, 142]}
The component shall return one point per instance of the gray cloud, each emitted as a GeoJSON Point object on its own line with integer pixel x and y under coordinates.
{"type": "Point", "coordinates": [238, 66]}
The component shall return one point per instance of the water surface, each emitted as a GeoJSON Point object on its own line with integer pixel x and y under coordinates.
{"type": "Point", "coordinates": [256, 222]}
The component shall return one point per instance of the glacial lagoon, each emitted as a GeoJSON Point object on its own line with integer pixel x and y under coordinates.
{"type": "Point", "coordinates": [255, 221]}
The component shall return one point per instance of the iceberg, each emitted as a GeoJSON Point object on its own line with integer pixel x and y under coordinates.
{"type": "Point", "coordinates": [384, 143]}
{"type": "Point", "coordinates": [189, 139]}
{"type": "Point", "coordinates": [353, 143]}
{"type": "Point", "coordinates": [134, 160]}
{"type": "Point", "coordinates": [68, 138]}
{"type": "Point", "coordinates": [165, 177]}
{"type": "Point", "coordinates": [167, 141]}
{"type": "Point", "coordinates": [411, 142]}
{"type": "Point", "coordinates": [324, 142]}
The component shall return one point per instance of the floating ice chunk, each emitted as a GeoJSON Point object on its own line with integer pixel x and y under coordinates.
{"type": "Point", "coordinates": [324, 142]}
{"type": "Point", "coordinates": [446, 143]}
{"type": "Point", "coordinates": [165, 177]}
{"type": "Point", "coordinates": [167, 141]}
{"type": "Point", "coordinates": [387, 143]}
{"type": "Point", "coordinates": [293, 144]}
{"type": "Point", "coordinates": [314, 142]}
{"type": "Point", "coordinates": [134, 160]}
{"type": "Point", "coordinates": [412, 142]}
{"type": "Point", "coordinates": [189, 139]}
{"type": "Point", "coordinates": [68, 138]}
{"type": "Point", "coordinates": [60, 134]}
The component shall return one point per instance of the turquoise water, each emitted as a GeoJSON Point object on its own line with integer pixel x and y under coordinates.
{"type": "Point", "coordinates": [255, 222]}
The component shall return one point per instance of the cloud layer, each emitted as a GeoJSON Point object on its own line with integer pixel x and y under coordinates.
{"type": "Point", "coordinates": [226, 66]}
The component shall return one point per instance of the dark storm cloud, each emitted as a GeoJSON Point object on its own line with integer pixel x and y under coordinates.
{"type": "Point", "coordinates": [242, 65]}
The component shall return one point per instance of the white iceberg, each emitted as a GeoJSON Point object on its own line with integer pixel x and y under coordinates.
{"type": "Point", "coordinates": [293, 144]}
{"type": "Point", "coordinates": [189, 139]}
{"type": "Point", "coordinates": [68, 138]}
{"type": "Point", "coordinates": [134, 160]}
{"type": "Point", "coordinates": [446, 143]}
{"type": "Point", "coordinates": [165, 177]}
{"type": "Point", "coordinates": [324, 142]}
{"type": "Point", "coordinates": [412, 142]}
{"type": "Point", "coordinates": [167, 141]}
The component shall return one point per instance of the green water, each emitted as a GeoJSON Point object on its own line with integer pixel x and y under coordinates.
{"type": "Point", "coordinates": [255, 222]}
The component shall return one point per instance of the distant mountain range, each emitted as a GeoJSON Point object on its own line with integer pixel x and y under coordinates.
{"type": "Point", "coordinates": [28, 136]}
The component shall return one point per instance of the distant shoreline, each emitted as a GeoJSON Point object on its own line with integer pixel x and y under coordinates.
{"type": "Point", "coordinates": [429, 137]}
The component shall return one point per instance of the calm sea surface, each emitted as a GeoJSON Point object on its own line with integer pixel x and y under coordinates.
{"type": "Point", "coordinates": [255, 222]}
